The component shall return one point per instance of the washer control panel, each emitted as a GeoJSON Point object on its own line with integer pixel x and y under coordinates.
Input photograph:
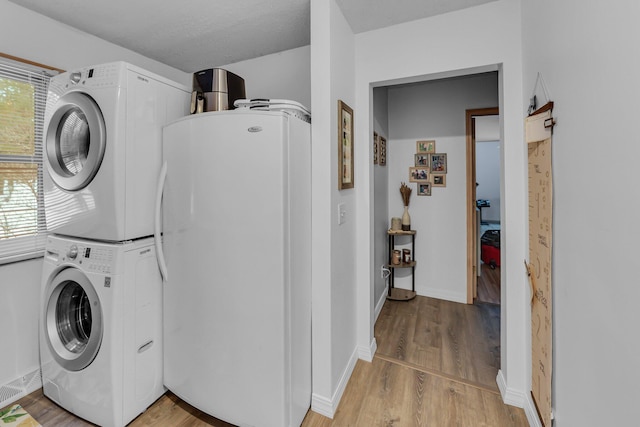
{"type": "Point", "coordinates": [92, 257]}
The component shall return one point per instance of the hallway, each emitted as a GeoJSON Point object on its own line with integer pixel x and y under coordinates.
{"type": "Point", "coordinates": [455, 340]}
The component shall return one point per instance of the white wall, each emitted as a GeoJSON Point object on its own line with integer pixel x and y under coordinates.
{"type": "Point", "coordinates": [482, 38]}
{"type": "Point", "coordinates": [487, 132]}
{"type": "Point", "coordinates": [31, 36]}
{"type": "Point", "coordinates": [488, 150]}
{"type": "Point", "coordinates": [587, 55]}
{"type": "Point", "coordinates": [334, 251]}
{"type": "Point", "coordinates": [487, 128]}
{"type": "Point", "coordinates": [381, 219]}
{"type": "Point", "coordinates": [283, 75]}
{"type": "Point", "coordinates": [19, 315]}
{"type": "Point", "coordinates": [488, 176]}
{"type": "Point", "coordinates": [436, 110]}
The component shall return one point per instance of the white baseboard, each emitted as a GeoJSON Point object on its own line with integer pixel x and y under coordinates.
{"type": "Point", "coordinates": [366, 353]}
{"type": "Point", "coordinates": [531, 412]}
{"type": "Point", "coordinates": [520, 400]}
{"type": "Point", "coordinates": [20, 387]}
{"type": "Point", "coordinates": [328, 407]}
{"type": "Point", "coordinates": [322, 405]}
{"type": "Point", "coordinates": [445, 295]}
{"type": "Point", "coordinates": [509, 396]}
{"type": "Point", "coordinates": [380, 303]}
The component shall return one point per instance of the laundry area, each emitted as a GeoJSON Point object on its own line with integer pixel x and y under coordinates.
{"type": "Point", "coordinates": [132, 226]}
{"type": "Point", "coordinates": [159, 276]}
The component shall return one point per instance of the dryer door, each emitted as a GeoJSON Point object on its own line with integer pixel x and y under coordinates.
{"type": "Point", "coordinates": [73, 317]}
{"type": "Point", "coordinates": [75, 140]}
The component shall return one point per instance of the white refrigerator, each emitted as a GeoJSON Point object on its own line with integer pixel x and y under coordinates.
{"type": "Point", "coordinates": [235, 197]}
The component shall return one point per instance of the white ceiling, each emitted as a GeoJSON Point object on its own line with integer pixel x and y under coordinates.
{"type": "Point", "coordinates": [197, 34]}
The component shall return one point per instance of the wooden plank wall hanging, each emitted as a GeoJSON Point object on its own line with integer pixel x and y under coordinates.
{"type": "Point", "coordinates": [538, 136]}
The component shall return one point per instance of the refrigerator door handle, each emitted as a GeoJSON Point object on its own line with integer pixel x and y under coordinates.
{"type": "Point", "coordinates": [158, 222]}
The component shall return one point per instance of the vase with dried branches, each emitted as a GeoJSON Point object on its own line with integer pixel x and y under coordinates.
{"type": "Point", "coordinates": [405, 191]}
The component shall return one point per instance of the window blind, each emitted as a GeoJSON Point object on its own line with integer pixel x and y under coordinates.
{"type": "Point", "coordinates": [23, 93]}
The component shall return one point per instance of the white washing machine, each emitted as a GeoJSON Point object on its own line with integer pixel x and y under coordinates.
{"type": "Point", "coordinates": [101, 328]}
{"type": "Point", "coordinates": [103, 148]}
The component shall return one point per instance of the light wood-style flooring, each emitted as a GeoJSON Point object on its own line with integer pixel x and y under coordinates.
{"type": "Point", "coordinates": [435, 366]}
{"type": "Point", "coordinates": [446, 338]}
{"type": "Point", "coordinates": [387, 393]}
{"type": "Point", "coordinates": [489, 285]}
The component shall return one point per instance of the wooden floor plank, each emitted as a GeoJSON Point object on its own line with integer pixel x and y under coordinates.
{"type": "Point", "coordinates": [408, 397]}
{"type": "Point", "coordinates": [489, 284]}
{"type": "Point", "coordinates": [459, 339]}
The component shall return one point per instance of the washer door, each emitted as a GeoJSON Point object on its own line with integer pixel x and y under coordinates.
{"type": "Point", "coordinates": [73, 319]}
{"type": "Point", "coordinates": [75, 141]}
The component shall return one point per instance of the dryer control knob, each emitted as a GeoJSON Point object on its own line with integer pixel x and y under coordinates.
{"type": "Point", "coordinates": [72, 252]}
{"type": "Point", "coordinates": [75, 77]}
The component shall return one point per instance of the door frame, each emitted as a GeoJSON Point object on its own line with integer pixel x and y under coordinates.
{"type": "Point", "coordinates": [472, 228]}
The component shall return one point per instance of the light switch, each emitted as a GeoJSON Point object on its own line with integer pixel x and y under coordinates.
{"type": "Point", "coordinates": [342, 213]}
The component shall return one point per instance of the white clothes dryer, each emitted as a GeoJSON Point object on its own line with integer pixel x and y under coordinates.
{"type": "Point", "coordinates": [101, 328]}
{"type": "Point", "coordinates": [103, 149]}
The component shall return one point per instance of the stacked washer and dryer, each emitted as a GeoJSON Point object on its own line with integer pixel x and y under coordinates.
{"type": "Point", "coordinates": [101, 298]}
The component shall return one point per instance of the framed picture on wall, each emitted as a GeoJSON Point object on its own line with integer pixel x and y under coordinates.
{"type": "Point", "coordinates": [375, 148]}
{"type": "Point", "coordinates": [421, 159]}
{"type": "Point", "coordinates": [438, 163]}
{"type": "Point", "coordinates": [424, 189]}
{"type": "Point", "coordinates": [418, 174]}
{"type": "Point", "coordinates": [345, 146]}
{"type": "Point", "coordinates": [439, 180]}
{"type": "Point", "coordinates": [426, 146]}
{"type": "Point", "coordinates": [382, 151]}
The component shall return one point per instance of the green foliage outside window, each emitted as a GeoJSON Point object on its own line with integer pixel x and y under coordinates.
{"type": "Point", "coordinates": [18, 179]}
{"type": "Point", "coordinates": [17, 118]}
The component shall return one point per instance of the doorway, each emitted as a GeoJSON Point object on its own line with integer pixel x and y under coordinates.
{"type": "Point", "coordinates": [407, 114]}
{"type": "Point", "coordinates": [411, 330]}
{"type": "Point", "coordinates": [487, 136]}
{"type": "Point", "coordinates": [475, 120]}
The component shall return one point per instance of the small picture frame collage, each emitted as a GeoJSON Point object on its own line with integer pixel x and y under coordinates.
{"type": "Point", "coordinates": [429, 168]}
{"type": "Point", "coordinates": [379, 149]}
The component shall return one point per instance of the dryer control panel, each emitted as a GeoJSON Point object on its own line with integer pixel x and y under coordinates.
{"type": "Point", "coordinates": [105, 75]}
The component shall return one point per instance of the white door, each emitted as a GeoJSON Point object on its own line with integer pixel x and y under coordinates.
{"type": "Point", "coordinates": [75, 141]}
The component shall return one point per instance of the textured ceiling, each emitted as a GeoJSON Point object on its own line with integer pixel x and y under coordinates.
{"type": "Point", "coordinates": [196, 34]}
{"type": "Point", "coordinates": [367, 15]}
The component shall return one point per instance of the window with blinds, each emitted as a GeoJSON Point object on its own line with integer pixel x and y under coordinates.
{"type": "Point", "coordinates": [23, 93]}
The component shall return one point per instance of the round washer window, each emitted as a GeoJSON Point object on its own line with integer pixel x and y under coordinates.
{"type": "Point", "coordinates": [73, 317]}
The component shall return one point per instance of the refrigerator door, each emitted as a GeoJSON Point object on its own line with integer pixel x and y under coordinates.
{"type": "Point", "coordinates": [227, 244]}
